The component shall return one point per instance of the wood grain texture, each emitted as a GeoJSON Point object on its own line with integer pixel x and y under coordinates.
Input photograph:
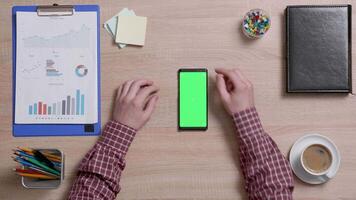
{"type": "Point", "coordinates": [165, 164]}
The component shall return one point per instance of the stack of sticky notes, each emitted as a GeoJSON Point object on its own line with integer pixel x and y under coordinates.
{"type": "Point", "coordinates": [38, 164]}
{"type": "Point", "coordinates": [126, 28]}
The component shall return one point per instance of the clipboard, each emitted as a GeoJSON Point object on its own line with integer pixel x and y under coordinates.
{"type": "Point", "coordinates": [28, 130]}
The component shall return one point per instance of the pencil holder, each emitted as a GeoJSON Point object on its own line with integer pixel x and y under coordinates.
{"type": "Point", "coordinates": [33, 183]}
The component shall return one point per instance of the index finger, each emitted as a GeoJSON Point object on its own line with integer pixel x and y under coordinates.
{"type": "Point", "coordinates": [136, 85]}
{"type": "Point", "coordinates": [145, 92]}
{"type": "Point", "coordinates": [230, 74]}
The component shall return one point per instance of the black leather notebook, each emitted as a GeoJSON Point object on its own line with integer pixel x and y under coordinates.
{"type": "Point", "coordinates": [319, 48]}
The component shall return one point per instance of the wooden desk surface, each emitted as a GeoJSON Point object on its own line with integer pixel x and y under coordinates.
{"type": "Point", "coordinates": [165, 164]}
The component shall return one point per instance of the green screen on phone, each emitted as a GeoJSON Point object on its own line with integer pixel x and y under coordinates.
{"type": "Point", "coordinates": [193, 99]}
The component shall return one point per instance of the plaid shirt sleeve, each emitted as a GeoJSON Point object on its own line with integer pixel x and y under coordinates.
{"type": "Point", "coordinates": [100, 171]}
{"type": "Point", "coordinates": [267, 173]}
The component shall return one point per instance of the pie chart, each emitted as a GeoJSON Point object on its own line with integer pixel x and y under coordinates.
{"type": "Point", "coordinates": [81, 71]}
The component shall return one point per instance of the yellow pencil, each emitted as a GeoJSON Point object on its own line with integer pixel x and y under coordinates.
{"type": "Point", "coordinates": [40, 176]}
{"type": "Point", "coordinates": [50, 155]}
{"type": "Point", "coordinates": [25, 149]}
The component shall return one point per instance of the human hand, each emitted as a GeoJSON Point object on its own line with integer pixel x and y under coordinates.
{"type": "Point", "coordinates": [235, 90]}
{"type": "Point", "coordinates": [135, 102]}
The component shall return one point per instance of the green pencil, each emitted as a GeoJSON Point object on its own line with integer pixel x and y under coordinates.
{"type": "Point", "coordinates": [41, 165]}
{"type": "Point", "coordinates": [42, 171]}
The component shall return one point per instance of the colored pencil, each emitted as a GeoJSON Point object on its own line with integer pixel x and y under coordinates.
{"type": "Point", "coordinates": [40, 176]}
{"type": "Point", "coordinates": [34, 170]}
{"type": "Point", "coordinates": [51, 157]}
{"type": "Point", "coordinates": [21, 153]}
{"type": "Point", "coordinates": [34, 167]}
{"type": "Point", "coordinates": [44, 153]}
{"type": "Point", "coordinates": [43, 171]}
{"type": "Point", "coordinates": [39, 164]}
{"type": "Point", "coordinates": [24, 162]}
{"type": "Point", "coordinates": [25, 149]}
{"type": "Point", "coordinates": [40, 157]}
{"type": "Point", "coordinates": [29, 171]}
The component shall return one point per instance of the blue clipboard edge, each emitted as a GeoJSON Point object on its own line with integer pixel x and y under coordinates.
{"type": "Point", "coordinates": [28, 130]}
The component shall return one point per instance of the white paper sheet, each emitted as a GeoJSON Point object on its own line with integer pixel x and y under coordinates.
{"type": "Point", "coordinates": [56, 69]}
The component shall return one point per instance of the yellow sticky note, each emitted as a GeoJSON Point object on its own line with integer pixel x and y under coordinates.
{"type": "Point", "coordinates": [131, 30]}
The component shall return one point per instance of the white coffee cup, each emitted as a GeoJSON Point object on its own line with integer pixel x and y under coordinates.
{"type": "Point", "coordinates": [316, 159]}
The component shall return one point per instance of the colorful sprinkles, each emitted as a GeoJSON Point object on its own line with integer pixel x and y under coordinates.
{"type": "Point", "coordinates": [256, 23]}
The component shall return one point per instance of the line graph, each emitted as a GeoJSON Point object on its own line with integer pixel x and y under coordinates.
{"type": "Point", "coordinates": [71, 39]}
{"type": "Point", "coordinates": [30, 70]}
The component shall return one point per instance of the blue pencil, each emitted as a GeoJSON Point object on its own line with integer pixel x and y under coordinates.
{"type": "Point", "coordinates": [28, 164]}
{"type": "Point", "coordinates": [21, 153]}
{"type": "Point", "coordinates": [24, 162]}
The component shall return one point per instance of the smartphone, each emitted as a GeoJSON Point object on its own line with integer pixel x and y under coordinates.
{"type": "Point", "coordinates": [193, 99]}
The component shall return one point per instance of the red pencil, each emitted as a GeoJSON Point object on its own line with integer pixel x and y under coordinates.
{"type": "Point", "coordinates": [34, 171]}
{"type": "Point", "coordinates": [28, 171]}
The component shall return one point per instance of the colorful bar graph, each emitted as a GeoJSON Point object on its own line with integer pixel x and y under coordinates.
{"type": "Point", "coordinates": [30, 110]}
{"type": "Point", "coordinates": [82, 104]}
{"type": "Point", "coordinates": [63, 107]}
{"type": "Point", "coordinates": [73, 107]}
{"type": "Point", "coordinates": [45, 109]}
{"type": "Point", "coordinates": [59, 108]}
{"type": "Point", "coordinates": [40, 108]}
{"type": "Point", "coordinates": [69, 105]}
{"type": "Point", "coordinates": [35, 109]}
{"type": "Point", "coordinates": [78, 102]}
{"type": "Point", "coordinates": [54, 109]}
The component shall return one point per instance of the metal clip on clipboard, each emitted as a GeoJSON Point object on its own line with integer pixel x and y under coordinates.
{"type": "Point", "coordinates": [55, 10]}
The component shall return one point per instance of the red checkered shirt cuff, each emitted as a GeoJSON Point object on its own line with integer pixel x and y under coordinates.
{"type": "Point", "coordinates": [247, 122]}
{"type": "Point", "coordinates": [117, 136]}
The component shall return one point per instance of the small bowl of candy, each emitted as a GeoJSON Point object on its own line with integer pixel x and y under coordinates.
{"type": "Point", "coordinates": [256, 23]}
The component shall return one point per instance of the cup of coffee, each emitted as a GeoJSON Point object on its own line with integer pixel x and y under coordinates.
{"type": "Point", "coordinates": [316, 159]}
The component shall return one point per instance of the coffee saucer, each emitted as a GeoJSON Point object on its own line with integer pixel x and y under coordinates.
{"type": "Point", "coordinates": [296, 151]}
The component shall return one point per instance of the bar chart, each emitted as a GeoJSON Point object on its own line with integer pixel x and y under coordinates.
{"type": "Point", "coordinates": [70, 105]}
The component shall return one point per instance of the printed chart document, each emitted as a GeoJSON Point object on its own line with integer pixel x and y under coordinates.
{"type": "Point", "coordinates": [56, 69]}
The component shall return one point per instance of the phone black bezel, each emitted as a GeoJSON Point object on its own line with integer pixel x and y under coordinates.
{"type": "Point", "coordinates": [207, 99]}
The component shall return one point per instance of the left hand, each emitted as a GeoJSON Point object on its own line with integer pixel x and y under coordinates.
{"type": "Point", "coordinates": [135, 102]}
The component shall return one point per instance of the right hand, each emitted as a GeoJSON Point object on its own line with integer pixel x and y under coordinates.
{"type": "Point", "coordinates": [135, 102]}
{"type": "Point", "coordinates": [235, 90]}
